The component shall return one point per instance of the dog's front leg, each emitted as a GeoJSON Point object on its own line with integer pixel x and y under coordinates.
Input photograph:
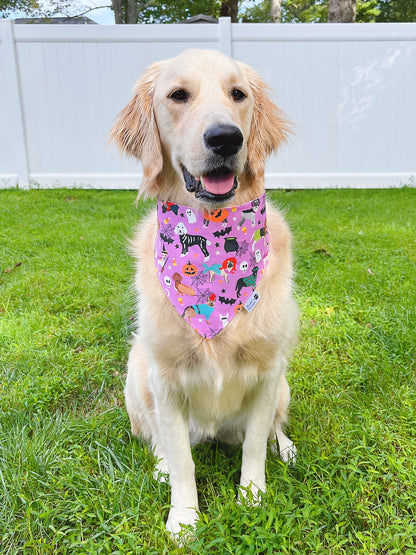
{"type": "Point", "coordinates": [173, 424]}
{"type": "Point", "coordinates": [260, 416]}
{"type": "Point", "coordinates": [184, 247]}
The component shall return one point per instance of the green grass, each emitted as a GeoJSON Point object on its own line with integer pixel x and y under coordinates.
{"type": "Point", "coordinates": [73, 480]}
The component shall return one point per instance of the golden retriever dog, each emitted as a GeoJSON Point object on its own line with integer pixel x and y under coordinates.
{"type": "Point", "coordinates": [203, 125]}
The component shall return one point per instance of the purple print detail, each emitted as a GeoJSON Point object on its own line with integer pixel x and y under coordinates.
{"type": "Point", "coordinates": [210, 262]}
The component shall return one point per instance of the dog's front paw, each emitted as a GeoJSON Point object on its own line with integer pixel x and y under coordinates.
{"type": "Point", "coordinates": [250, 494]}
{"type": "Point", "coordinates": [179, 518]}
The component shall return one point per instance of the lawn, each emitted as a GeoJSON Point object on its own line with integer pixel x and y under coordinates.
{"type": "Point", "coordinates": [73, 480]}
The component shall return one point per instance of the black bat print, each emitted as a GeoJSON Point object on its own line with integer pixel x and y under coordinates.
{"type": "Point", "coordinates": [222, 232]}
{"type": "Point", "coordinates": [166, 239]}
{"type": "Point", "coordinates": [225, 300]}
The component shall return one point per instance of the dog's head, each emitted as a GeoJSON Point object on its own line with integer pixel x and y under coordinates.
{"type": "Point", "coordinates": [202, 125]}
{"type": "Point", "coordinates": [177, 278]}
{"type": "Point", "coordinates": [180, 229]}
{"type": "Point", "coordinates": [255, 204]}
{"type": "Point", "coordinates": [211, 300]}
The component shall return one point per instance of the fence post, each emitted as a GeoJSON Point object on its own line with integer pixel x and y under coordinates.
{"type": "Point", "coordinates": [225, 41]}
{"type": "Point", "coordinates": [11, 72]}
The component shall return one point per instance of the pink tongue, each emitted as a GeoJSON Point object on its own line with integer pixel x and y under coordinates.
{"type": "Point", "coordinates": [218, 185]}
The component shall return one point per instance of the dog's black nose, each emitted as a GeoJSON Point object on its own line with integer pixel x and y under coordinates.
{"type": "Point", "coordinates": [224, 139]}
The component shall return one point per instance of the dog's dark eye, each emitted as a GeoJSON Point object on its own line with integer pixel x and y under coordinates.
{"type": "Point", "coordinates": [180, 95]}
{"type": "Point", "coordinates": [237, 94]}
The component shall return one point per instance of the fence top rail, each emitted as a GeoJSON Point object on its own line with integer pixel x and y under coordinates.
{"type": "Point", "coordinates": [283, 32]}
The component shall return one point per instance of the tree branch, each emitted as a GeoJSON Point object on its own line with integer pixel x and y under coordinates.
{"type": "Point", "coordinates": [87, 11]}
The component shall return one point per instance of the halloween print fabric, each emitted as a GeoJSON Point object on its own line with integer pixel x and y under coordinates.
{"type": "Point", "coordinates": [210, 262]}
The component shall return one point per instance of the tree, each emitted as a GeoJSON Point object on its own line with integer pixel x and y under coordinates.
{"type": "Point", "coordinates": [275, 11]}
{"type": "Point", "coordinates": [342, 11]}
{"type": "Point", "coordinates": [307, 11]}
{"type": "Point", "coordinates": [258, 11]}
{"type": "Point", "coordinates": [292, 11]}
{"type": "Point", "coordinates": [229, 8]}
{"type": "Point", "coordinates": [125, 11]}
{"type": "Point", "coordinates": [157, 11]}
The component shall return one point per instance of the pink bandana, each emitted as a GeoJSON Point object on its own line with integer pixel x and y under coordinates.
{"type": "Point", "coordinates": [209, 263]}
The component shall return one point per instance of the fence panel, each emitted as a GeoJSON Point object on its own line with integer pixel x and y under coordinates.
{"type": "Point", "coordinates": [349, 89]}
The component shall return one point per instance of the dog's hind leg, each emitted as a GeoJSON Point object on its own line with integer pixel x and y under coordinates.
{"type": "Point", "coordinates": [279, 442]}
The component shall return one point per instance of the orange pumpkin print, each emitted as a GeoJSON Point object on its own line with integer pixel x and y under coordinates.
{"type": "Point", "coordinates": [219, 215]}
{"type": "Point", "coordinates": [189, 269]}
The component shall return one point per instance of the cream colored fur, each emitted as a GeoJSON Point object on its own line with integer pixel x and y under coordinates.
{"type": "Point", "coordinates": [180, 388]}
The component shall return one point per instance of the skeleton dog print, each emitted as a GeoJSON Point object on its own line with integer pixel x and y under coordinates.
{"type": "Point", "coordinates": [210, 262]}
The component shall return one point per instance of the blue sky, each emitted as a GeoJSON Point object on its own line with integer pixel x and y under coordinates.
{"type": "Point", "coordinates": [103, 16]}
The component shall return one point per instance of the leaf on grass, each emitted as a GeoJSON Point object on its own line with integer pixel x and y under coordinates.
{"type": "Point", "coordinates": [322, 252]}
{"type": "Point", "coordinates": [10, 270]}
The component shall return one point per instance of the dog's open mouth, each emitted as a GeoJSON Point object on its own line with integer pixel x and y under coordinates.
{"type": "Point", "coordinates": [216, 185]}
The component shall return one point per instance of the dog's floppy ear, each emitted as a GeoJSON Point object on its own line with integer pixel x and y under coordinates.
{"type": "Point", "coordinates": [135, 131]}
{"type": "Point", "coordinates": [269, 126]}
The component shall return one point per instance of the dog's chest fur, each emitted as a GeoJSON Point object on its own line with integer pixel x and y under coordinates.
{"type": "Point", "coordinates": [216, 380]}
{"type": "Point", "coordinates": [217, 399]}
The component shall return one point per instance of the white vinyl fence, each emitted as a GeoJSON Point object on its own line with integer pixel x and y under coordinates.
{"type": "Point", "coordinates": [350, 89]}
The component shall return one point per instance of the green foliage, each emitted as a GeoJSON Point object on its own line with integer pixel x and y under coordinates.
{"type": "Point", "coordinates": [304, 11]}
{"type": "Point", "coordinates": [171, 12]}
{"type": "Point", "coordinates": [255, 12]}
{"type": "Point", "coordinates": [293, 11]}
{"type": "Point", "coordinates": [397, 10]}
{"type": "Point", "coordinates": [39, 8]}
{"type": "Point", "coordinates": [73, 480]}
{"type": "Point", "coordinates": [316, 11]}
{"type": "Point", "coordinates": [29, 7]}
{"type": "Point", "coordinates": [367, 11]}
